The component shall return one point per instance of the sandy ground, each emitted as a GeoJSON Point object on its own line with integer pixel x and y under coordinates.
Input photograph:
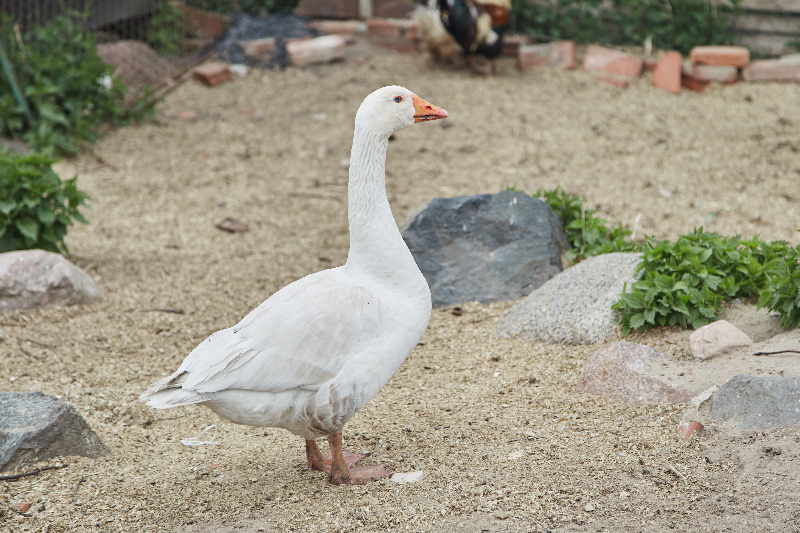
{"type": "Point", "coordinates": [504, 442]}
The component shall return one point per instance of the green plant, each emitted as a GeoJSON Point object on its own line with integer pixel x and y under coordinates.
{"type": "Point", "coordinates": [588, 234]}
{"type": "Point", "coordinates": [165, 29]}
{"type": "Point", "coordinates": [677, 24]}
{"type": "Point", "coordinates": [36, 206]}
{"type": "Point", "coordinates": [61, 90]}
{"type": "Point", "coordinates": [686, 282]}
{"type": "Point", "coordinates": [781, 292]}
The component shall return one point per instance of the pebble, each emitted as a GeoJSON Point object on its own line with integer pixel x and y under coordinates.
{"type": "Point", "coordinates": [407, 477]}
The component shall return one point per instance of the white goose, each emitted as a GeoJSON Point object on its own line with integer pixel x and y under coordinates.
{"type": "Point", "coordinates": [319, 349]}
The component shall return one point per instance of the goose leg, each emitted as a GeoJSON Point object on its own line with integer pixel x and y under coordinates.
{"type": "Point", "coordinates": [343, 472]}
{"type": "Point", "coordinates": [315, 461]}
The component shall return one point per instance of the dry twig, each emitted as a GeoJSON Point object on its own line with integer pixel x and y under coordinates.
{"type": "Point", "coordinates": [31, 472]}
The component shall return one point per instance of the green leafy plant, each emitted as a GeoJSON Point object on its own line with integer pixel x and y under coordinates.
{"type": "Point", "coordinates": [588, 234]}
{"type": "Point", "coordinates": [677, 24]}
{"type": "Point", "coordinates": [36, 206]}
{"type": "Point", "coordinates": [781, 292]}
{"type": "Point", "coordinates": [165, 29]}
{"type": "Point", "coordinates": [60, 89]}
{"type": "Point", "coordinates": [686, 282]}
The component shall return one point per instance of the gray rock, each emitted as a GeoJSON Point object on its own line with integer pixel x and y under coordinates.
{"type": "Point", "coordinates": [35, 278]}
{"type": "Point", "coordinates": [485, 248]}
{"type": "Point", "coordinates": [575, 306]}
{"type": "Point", "coordinates": [759, 403]}
{"type": "Point", "coordinates": [35, 427]}
{"type": "Point", "coordinates": [618, 370]}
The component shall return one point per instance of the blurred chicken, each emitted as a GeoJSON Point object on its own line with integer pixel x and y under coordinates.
{"type": "Point", "coordinates": [474, 26]}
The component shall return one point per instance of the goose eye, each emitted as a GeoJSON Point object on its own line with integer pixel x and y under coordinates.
{"type": "Point", "coordinates": [398, 99]}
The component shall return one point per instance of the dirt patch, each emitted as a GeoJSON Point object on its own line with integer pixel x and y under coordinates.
{"type": "Point", "coordinates": [505, 443]}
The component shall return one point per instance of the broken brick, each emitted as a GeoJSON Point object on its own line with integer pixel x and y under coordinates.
{"type": "Point", "coordinates": [667, 72]}
{"type": "Point", "coordinates": [213, 73]}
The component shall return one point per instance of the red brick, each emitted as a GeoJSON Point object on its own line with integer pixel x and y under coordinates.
{"type": "Point", "coordinates": [259, 49]}
{"type": "Point", "coordinates": [732, 56]}
{"type": "Point", "coordinates": [602, 59]}
{"type": "Point", "coordinates": [317, 50]}
{"type": "Point", "coordinates": [717, 73]}
{"type": "Point", "coordinates": [384, 28]}
{"type": "Point", "coordinates": [667, 72]}
{"type": "Point", "coordinates": [200, 22]}
{"type": "Point", "coordinates": [212, 73]}
{"type": "Point", "coordinates": [785, 69]}
{"type": "Point", "coordinates": [559, 54]}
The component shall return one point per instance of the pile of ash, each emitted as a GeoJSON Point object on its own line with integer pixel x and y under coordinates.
{"type": "Point", "coordinates": [244, 27]}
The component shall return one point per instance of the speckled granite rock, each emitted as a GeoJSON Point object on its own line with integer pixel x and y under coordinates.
{"type": "Point", "coordinates": [575, 306]}
{"type": "Point", "coordinates": [617, 370]}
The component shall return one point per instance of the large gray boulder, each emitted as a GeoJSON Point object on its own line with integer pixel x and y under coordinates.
{"type": "Point", "coordinates": [35, 278]}
{"type": "Point", "coordinates": [35, 427]}
{"type": "Point", "coordinates": [758, 403]}
{"type": "Point", "coordinates": [485, 248]}
{"type": "Point", "coordinates": [575, 306]}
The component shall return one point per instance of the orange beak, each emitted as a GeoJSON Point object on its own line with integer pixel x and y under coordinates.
{"type": "Point", "coordinates": [424, 111]}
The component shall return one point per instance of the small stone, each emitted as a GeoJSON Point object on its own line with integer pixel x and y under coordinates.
{"type": "Point", "coordinates": [187, 114]}
{"type": "Point", "coordinates": [624, 494]}
{"type": "Point", "coordinates": [32, 279]}
{"type": "Point", "coordinates": [717, 338]}
{"type": "Point", "coordinates": [589, 507]}
{"type": "Point", "coordinates": [232, 225]}
{"type": "Point", "coordinates": [687, 429]}
{"type": "Point", "coordinates": [407, 477]}
{"type": "Point", "coordinates": [22, 506]}
{"type": "Point", "coordinates": [502, 515]}
{"type": "Point", "coordinates": [239, 70]}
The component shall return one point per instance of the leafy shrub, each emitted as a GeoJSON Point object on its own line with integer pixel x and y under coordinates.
{"type": "Point", "coordinates": [781, 292]}
{"type": "Point", "coordinates": [678, 24]}
{"type": "Point", "coordinates": [62, 89]}
{"type": "Point", "coordinates": [165, 29]}
{"type": "Point", "coordinates": [36, 206]}
{"type": "Point", "coordinates": [588, 235]}
{"type": "Point", "coordinates": [686, 282]}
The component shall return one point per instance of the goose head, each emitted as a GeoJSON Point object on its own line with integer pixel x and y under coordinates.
{"type": "Point", "coordinates": [393, 108]}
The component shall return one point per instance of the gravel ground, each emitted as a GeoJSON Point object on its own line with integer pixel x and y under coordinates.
{"type": "Point", "coordinates": [504, 442]}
